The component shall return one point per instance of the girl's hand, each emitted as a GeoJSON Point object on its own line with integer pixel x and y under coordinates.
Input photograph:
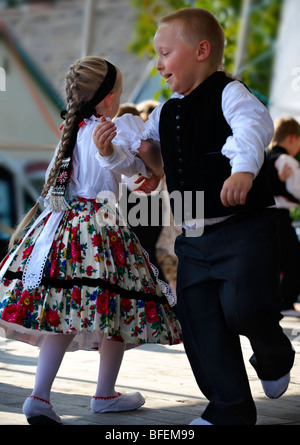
{"type": "Point", "coordinates": [148, 185]}
{"type": "Point", "coordinates": [285, 173]}
{"type": "Point", "coordinates": [103, 136]}
{"type": "Point", "coordinates": [235, 189]}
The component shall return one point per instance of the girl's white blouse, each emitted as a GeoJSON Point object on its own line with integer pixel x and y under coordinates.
{"type": "Point", "coordinates": [88, 180]}
{"type": "Point", "coordinates": [89, 177]}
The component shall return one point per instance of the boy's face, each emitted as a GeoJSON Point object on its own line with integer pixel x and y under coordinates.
{"type": "Point", "coordinates": [177, 59]}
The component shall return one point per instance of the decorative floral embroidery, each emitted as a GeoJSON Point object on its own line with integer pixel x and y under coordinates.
{"type": "Point", "coordinates": [62, 177]}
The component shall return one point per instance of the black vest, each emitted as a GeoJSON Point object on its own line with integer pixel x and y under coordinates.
{"type": "Point", "coordinates": [193, 131]}
{"type": "Point", "coordinates": [278, 187]}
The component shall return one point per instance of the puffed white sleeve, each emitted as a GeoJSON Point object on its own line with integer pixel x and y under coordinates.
{"type": "Point", "coordinates": [124, 159]}
{"type": "Point", "coordinates": [252, 128]}
{"type": "Point", "coordinates": [124, 162]}
{"type": "Point", "coordinates": [151, 126]}
{"type": "Point", "coordinates": [129, 132]}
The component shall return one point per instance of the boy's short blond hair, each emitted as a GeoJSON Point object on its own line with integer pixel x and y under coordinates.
{"type": "Point", "coordinates": [284, 127]}
{"type": "Point", "coordinates": [199, 24]}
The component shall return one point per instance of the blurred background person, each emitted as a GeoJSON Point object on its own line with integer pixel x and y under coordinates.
{"type": "Point", "coordinates": [147, 234]}
{"type": "Point", "coordinates": [284, 175]}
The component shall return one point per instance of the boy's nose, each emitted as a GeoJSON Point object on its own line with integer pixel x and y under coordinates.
{"type": "Point", "coordinates": [158, 64]}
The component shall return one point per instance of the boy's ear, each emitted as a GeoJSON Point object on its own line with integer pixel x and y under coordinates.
{"type": "Point", "coordinates": [203, 50]}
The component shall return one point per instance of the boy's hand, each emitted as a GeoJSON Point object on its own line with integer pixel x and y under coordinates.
{"type": "Point", "coordinates": [235, 189]}
{"type": "Point", "coordinates": [103, 136]}
{"type": "Point", "coordinates": [148, 185]}
{"type": "Point", "coordinates": [150, 154]}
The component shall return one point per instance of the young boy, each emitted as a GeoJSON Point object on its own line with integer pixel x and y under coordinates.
{"type": "Point", "coordinates": [284, 175]}
{"type": "Point", "coordinates": [213, 133]}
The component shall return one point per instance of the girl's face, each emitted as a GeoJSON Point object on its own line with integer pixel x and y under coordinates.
{"type": "Point", "coordinates": [177, 59]}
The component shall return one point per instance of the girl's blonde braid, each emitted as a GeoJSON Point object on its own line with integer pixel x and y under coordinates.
{"type": "Point", "coordinates": [87, 83]}
{"type": "Point", "coordinates": [70, 118]}
{"type": "Point", "coordinates": [71, 121]}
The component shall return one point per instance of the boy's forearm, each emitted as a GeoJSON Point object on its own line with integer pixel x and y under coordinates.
{"type": "Point", "coordinates": [151, 156]}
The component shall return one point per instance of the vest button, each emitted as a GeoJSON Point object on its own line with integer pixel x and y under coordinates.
{"type": "Point", "coordinates": [181, 183]}
{"type": "Point", "coordinates": [178, 127]}
{"type": "Point", "coordinates": [180, 160]}
{"type": "Point", "coordinates": [180, 171]}
{"type": "Point", "coordinates": [178, 117]}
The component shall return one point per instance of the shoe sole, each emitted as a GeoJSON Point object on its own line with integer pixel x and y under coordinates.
{"type": "Point", "coordinates": [281, 394]}
{"type": "Point", "coordinates": [42, 420]}
{"type": "Point", "coordinates": [111, 410]}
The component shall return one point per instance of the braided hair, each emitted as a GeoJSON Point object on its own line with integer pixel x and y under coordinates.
{"type": "Point", "coordinates": [87, 83]}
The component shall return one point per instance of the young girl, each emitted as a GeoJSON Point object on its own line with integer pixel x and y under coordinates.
{"type": "Point", "coordinates": [77, 279]}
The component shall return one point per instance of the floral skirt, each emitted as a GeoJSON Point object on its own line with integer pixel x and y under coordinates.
{"type": "Point", "coordinates": [96, 280]}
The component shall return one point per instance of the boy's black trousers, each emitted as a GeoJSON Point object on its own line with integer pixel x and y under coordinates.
{"type": "Point", "coordinates": [227, 286]}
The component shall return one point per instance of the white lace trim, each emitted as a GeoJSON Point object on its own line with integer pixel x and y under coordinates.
{"type": "Point", "coordinates": [165, 287]}
{"type": "Point", "coordinates": [34, 268]}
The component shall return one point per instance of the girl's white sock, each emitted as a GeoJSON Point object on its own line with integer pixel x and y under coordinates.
{"type": "Point", "coordinates": [111, 356]}
{"type": "Point", "coordinates": [51, 354]}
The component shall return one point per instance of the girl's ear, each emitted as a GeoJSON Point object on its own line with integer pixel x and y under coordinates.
{"type": "Point", "coordinates": [108, 99]}
{"type": "Point", "coordinates": [203, 50]}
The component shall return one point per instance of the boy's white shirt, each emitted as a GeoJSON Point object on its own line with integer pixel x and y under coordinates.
{"type": "Point", "coordinates": [251, 125]}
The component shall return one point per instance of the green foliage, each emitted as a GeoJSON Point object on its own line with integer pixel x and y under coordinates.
{"type": "Point", "coordinates": [258, 66]}
{"type": "Point", "coordinates": [148, 14]}
{"type": "Point", "coordinates": [263, 26]}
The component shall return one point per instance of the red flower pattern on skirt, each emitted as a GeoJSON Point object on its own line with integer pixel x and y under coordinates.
{"type": "Point", "coordinates": [14, 313]}
{"type": "Point", "coordinates": [102, 303]}
{"type": "Point", "coordinates": [76, 295]}
{"type": "Point", "coordinates": [26, 301]}
{"type": "Point", "coordinates": [52, 317]}
{"type": "Point", "coordinates": [151, 312]}
{"type": "Point", "coordinates": [126, 304]}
